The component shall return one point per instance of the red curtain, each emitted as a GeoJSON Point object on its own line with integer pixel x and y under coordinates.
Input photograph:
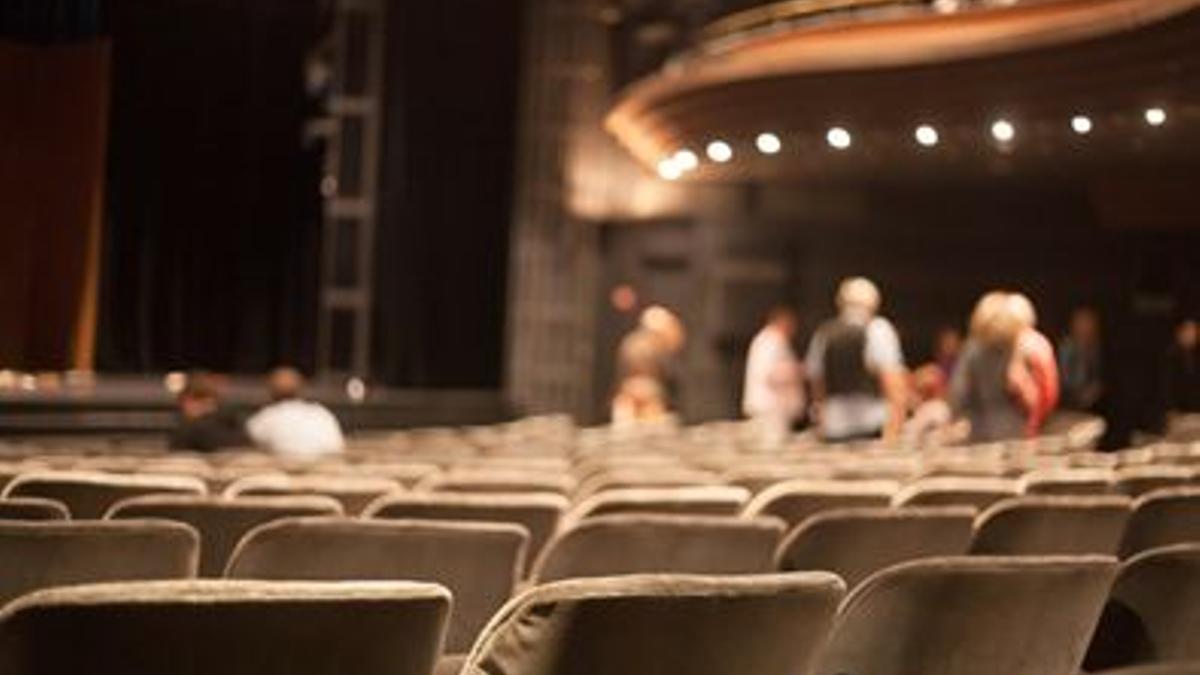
{"type": "Point", "coordinates": [53, 131]}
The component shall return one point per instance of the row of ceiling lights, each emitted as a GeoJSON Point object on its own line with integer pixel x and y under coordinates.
{"type": "Point", "coordinates": [1002, 131]}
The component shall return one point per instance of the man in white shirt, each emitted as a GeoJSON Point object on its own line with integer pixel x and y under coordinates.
{"type": "Point", "coordinates": [857, 369]}
{"type": "Point", "coordinates": [292, 427]}
{"type": "Point", "coordinates": [773, 396]}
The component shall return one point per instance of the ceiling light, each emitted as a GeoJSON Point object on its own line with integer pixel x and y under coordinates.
{"type": "Point", "coordinates": [719, 152]}
{"type": "Point", "coordinates": [686, 160]}
{"type": "Point", "coordinates": [1003, 131]}
{"type": "Point", "coordinates": [927, 136]}
{"type": "Point", "coordinates": [1081, 124]}
{"type": "Point", "coordinates": [669, 169]}
{"type": "Point", "coordinates": [839, 138]}
{"type": "Point", "coordinates": [1156, 117]}
{"type": "Point", "coordinates": [768, 143]}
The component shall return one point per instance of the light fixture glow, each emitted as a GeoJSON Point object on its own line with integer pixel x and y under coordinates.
{"type": "Point", "coordinates": [1156, 117]}
{"type": "Point", "coordinates": [838, 138]}
{"type": "Point", "coordinates": [719, 152]}
{"type": "Point", "coordinates": [768, 143]}
{"type": "Point", "coordinates": [1081, 124]}
{"type": "Point", "coordinates": [927, 136]}
{"type": "Point", "coordinates": [686, 160]}
{"type": "Point", "coordinates": [668, 169]}
{"type": "Point", "coordinates": [1003, 131]}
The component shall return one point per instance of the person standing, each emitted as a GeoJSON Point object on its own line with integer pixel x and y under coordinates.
{"type": "Point", "coordinates": [1079, 362]}
{"type": "Point", "coordinates": [857, 369]}
{"type": "Point", "coordinates": [1181, 371]}
{"type": "Point", "coordinates": [773, 395]}
{"type": "Point", "coordinates": [647, 385]}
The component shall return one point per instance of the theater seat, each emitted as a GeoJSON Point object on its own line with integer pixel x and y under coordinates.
{"type": "Point", "coordinates": [1068, 481]}
{"type": "Point", "coordinates": [1136, 481]}
{"type": "Point", "coordinates": [479, 562]}
{"type": "Point", "coordinates": [32, 508]}
{"type": "Point", "coordinates": [225, 628]}
{"type": "Point", "coordinates": [1154, 612]}
{"type": "Point", "coordinates": [970, 616]}
{"type": "Point", "coordinates": [795, 500]}
{"type": "Point", "coordinates": [1186, 668]}
{"type": "Point", "coordinates": [962, 491]}
{"type": "Point", "coordinates": [538, 513]}
{"type": "Point", "coordinates": [856, 543]}
{"type": "Point", "coordinates": [37, 555]}
{"type": "Point", "coordinates": [498, 480]}
{"type": "Point", "coordinates": [222, 522]}
{"type": "Point", "coordinates": [89, 495]}
{"type": "Point", "coordinates": [644, 543]}
{"type": "Point", "coordinates": [354, 492]}
{"type": "Point", "coordinates": [711, 500]}
{"type": "Point", "coordinates": [661, 625]}
{"type": "Point", "coordinates": [1052, 526]}
{"type": "Point", "coordinates": [1161, 518]}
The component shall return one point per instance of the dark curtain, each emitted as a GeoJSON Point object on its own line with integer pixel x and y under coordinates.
{"type": "Point", "coordinates": [53, 86]}
{"type": "Point", "coordinates": [448, 164]}
{"type": "Point", "coordinates": [213, 213]}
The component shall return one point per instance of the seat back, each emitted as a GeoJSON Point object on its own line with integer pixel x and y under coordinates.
{"type": "Point", "coordinates": [497, 480]}
{"type": "Point", "coordinates": [32, 508]}
{"type": "Point", "coordinates": [1185, 668]}
{"type": "Point", "coordinates": [794, 501]}
{"type": "Point", "coordinates": [479, 562]}
{"type": "Point", "coordinates": [1068, 481]}
{"type": "Point", "coordinates": [856, 543]}
{"type": "Point", "coordinates": [1162, 518]}
{"type": "Point", "coordinates": [354, 492]}
{"type": "Point", "coordinates": [710, 500]}
{"type": "Point", "coordinates": [538, 513]}
{"type": "Point", "coordinates": [221, 522]}
{"type": "Point", "coordinates": [89, 495]}
{"type": "Point", "coordinates": [37, 555]}
{"type": "Point", "coordinates": [960, 491]}
{"type": "Point", "coordinates": [643, 543]}
{"type": "Point", "coordinates": [1053, 526]}
{"type": "Point", "coordinates": [1136, 481]}
{"type": "Point", "coordinates": [231, 628]}
{"type": "Point", "coordinates": [971, 616]}
{"type": "Point", "coordinates": [1153, 612]}
{"type": "Point", "coordinates": [661, 624]}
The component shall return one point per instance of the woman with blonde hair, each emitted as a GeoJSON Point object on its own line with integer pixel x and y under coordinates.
{"type": "Point", "coordinates": [994, 386]}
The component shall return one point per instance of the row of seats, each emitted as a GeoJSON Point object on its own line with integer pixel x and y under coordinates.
{"type": "Point", "coordinates": [483, 563]}
{"type": "Point", "coordinates": [950, 616]}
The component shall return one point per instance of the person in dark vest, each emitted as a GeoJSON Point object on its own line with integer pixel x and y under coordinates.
{"type": "Point", "coordinates": [856, 368]}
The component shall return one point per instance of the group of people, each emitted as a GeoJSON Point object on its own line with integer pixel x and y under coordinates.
{"type": "Point", "coordinates": [1001, 382]}
{"type": "Point", "coordinates": [288, 425]}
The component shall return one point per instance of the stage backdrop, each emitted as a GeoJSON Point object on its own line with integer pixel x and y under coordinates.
{"type": "Point", "coordinates": [53, 106]}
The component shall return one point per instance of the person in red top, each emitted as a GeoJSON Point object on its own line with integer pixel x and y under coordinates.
{"type": "Point", "coordinates": [1034, 373]}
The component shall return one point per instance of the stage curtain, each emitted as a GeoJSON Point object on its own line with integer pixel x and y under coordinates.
{"type": "Point", "coordinates": [53, 131]}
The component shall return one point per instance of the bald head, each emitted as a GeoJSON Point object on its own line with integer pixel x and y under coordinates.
{"type": "Point", "coordinates": [858, 295]}
{"type": "Point", "coordinates": [284, 383]}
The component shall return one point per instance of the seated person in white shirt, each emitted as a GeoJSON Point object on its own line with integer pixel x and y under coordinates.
{"type": "Point", "coordinates": [292, 427]}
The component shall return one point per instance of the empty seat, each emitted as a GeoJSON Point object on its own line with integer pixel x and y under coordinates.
{"type": "Point", "coordinates": [1136, 481]}
{"type": "Point", "coordinates": [637, 543]}
{"type": "Point", "coordinates": [32, 508]}
{"type": "Point", "coordinates": [856, 543]}
{"type": "Point", "coordinates": [795, 501]}
{"type": "Point", "coordinates": [1185, 668]}
{"type": "Point", "coordinates": [1053, 526]}
{"type": "Point", "coordinates": [479, 562]}
{"type": "Point", "coordinates": [970, 616]}
{"type": "Point", "coordinates": [978, 492]}
{"type": "Point", "coordinates": [225, 627]}
{"type": "Point", "coordinates": [758, 477]}
{"type": "Point", "coordinates": [89, 495]}
{"type": "Point", "coordinates": [508, 480]}
{"type": "Point", "coordinates": [538, 513]}
{"type": "Point", "coordinates": [643, 477]}
{"type": "Point", "coordinates": [1068, 481]}
{"type": "Point", "coordinates": [1154, 611]}
{"type": "Point", "coordinates": [222, 522]}
{"type": "Point", "coordinates": [1161, 518]}
{"type": "Point", "coordinates": [712, 500]}
{"type": "Point", "coordinates": [661, 624]}
{"type": "Point", "coordinates": [37, 555]}
{"type": "Point", "coordinates": [354, 492]}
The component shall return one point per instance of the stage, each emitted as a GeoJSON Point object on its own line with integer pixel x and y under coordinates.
{"type": "Point", "coordinates": [142, 404]}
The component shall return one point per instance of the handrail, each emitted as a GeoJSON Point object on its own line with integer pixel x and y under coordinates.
{"type": "Point", "coordinates": [790, 11]}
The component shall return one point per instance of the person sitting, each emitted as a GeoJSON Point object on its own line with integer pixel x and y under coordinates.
{"type": "Point", "coordinates": [291, 426]}
{"type": "Point", "coordinates": [203, 425]}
